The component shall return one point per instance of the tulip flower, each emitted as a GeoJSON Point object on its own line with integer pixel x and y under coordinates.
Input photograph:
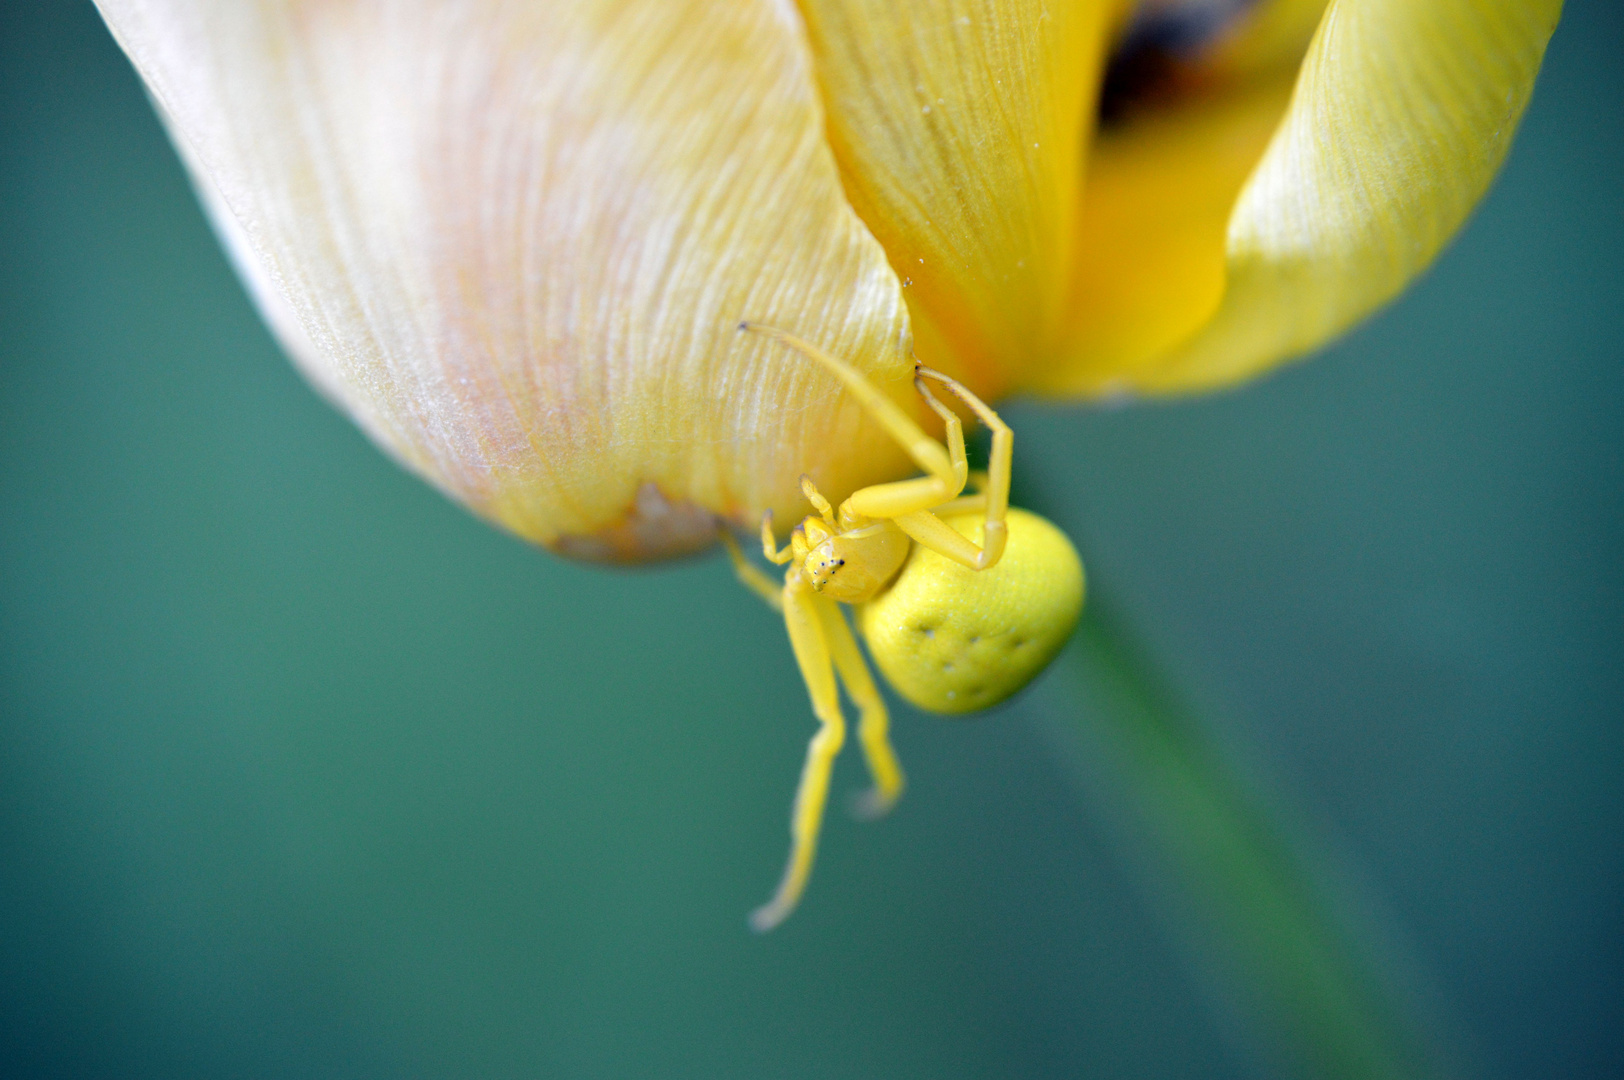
{"type": "Point", "coordinates": [517, 242]}
{"type": "Point", "coordinates": [513, 239]}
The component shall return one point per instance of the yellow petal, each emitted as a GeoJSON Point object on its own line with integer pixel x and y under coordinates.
{"type": "Point", "coordinates": [514, 241]}
{"type": "Point", "coordinates": [1273, 35]}
{"type": "Point", "coordinates": [1150, 265]}
{"type": "Point", "coordinates": [1401, 116]}
{"type": "Point", "coordinates": [1163, 176]}
{"type": "Point", "coordinates": [959, 128]}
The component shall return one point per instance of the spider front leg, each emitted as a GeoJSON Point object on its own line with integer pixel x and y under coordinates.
{"type": "Point", "coordinates": [944, 476]}
{"type": "Point", "coordinates": [914, 505]}
{"type": "Point", "coordinates": [909, 502]}
{"type": "Point", "coordinates": [931, 531]}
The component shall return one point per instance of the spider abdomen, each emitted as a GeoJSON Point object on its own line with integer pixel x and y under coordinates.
{"type": "Point", "coordinates": [955, 640]}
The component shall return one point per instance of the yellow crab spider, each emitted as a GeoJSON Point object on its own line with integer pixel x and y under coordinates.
{"type": "Point", "coordinates": [961, 598]}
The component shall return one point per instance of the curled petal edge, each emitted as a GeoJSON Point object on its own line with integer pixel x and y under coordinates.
{"type": "Point", "coordinates": [1402, 114]}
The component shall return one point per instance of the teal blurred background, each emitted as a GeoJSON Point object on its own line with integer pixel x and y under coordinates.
{"type": "Point", "coordinates": [304, 772]}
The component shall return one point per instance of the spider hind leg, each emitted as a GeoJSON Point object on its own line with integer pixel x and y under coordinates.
{"type": "Point", "coordinates": [807, 638]}
{"type": "Point", "coordinates": [824, 648]}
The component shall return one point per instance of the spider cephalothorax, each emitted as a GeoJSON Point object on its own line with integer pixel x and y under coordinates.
{"type": "Point", "coordinates": [961, 598]}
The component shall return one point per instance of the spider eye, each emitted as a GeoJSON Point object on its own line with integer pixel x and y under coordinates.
{"type": "Point", "coordinates": [955, 640]}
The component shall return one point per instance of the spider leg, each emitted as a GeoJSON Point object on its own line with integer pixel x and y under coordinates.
{"type": "Point", "coordinates": [751, 576]}
{"type": "Point", "coordinates": [929, 530]}
{"type": "Point", "coordinates": [915, 504]}
{"type": "Point", "coordinates": [806, 637]}
{"type": "Point", "coordinates": [769, 548]}
{"type": "Point", "coordinates": [923, 493]}
{"type": "Point", "coordinates": [874, 723]}
{"type": "Point", "coordinates": [815, 497]}
{"type": "Point", "coordinates": [964, 504]}
{"type": "Point", "coordinates": [943, 480]}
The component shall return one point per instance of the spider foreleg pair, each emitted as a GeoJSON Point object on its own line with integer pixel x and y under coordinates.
{"type": "Point", "coordinates": [962, 599]}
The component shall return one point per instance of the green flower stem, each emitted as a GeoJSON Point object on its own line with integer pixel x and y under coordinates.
{"type": "Point", "coordinates": [1306, 995]}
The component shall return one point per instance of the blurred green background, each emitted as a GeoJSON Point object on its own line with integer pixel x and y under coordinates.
{"type": "Point", "coordinates": [304, 772]}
